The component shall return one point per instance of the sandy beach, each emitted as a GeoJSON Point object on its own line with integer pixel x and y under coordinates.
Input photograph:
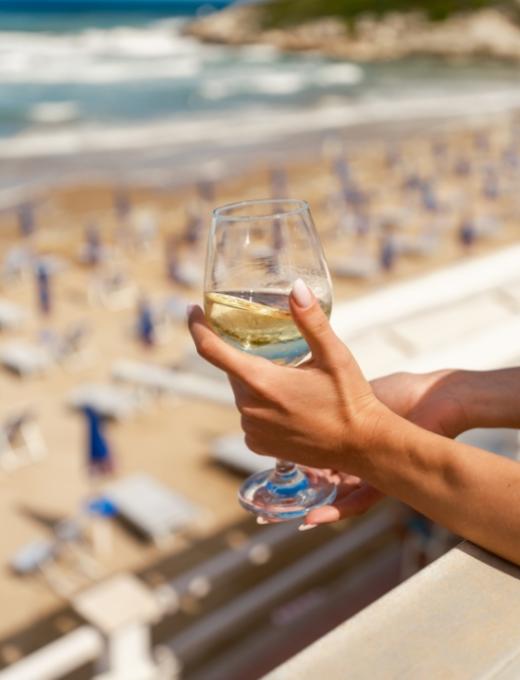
{"type": "Point", "coordinates": [169, 437]}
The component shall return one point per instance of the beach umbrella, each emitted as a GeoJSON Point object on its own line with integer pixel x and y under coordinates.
{"type": "Point", "coordinates": [429, 197]}
{"type": "Point", "coordinates": [341, 169]}
{"type": "Point", "coordinates": [122, 204]}
{"type": "Point", "coordinates": [43, 287]}
{"type": "Point", "coordinates": [99, 456]}
{"type": "Point", "coordinates": [387, 248]}
{"type": "Point", "coordinates": [279, 183]}
{"type": "Point", "coordinates": [93, 247]}
{"type": "Point", "coordinates": [26, 219]}
{"type": "Point", "coordinates": [467, 233]}
{"type": "Point", "coordinates": [193, 229]}
{"type": "Point", "coordinates": [462, 167]}
{"type": "Point", "coordinates": [490, 188]}
{"type": "Point", "coordinates": [145, 323]}
{"type": "Point", "coordinates": [206, 190]}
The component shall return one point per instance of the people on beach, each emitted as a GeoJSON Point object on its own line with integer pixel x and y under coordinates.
{"type": "Point", "coordinates": [393, 436]}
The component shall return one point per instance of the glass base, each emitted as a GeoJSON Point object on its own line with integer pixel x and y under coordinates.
{"type": "Point", "coordinates": [281, 497]}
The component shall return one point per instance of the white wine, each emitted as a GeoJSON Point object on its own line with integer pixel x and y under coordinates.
{"type": "Point", "coordinates": [258, 322]}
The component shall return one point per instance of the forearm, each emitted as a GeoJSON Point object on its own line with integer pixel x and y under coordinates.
{"type": "Point", "coordinates": [489, 398]}
{"type": "Point", "coordinates": [474, 493]}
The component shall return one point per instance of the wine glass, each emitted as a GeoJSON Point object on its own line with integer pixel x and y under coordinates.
{"type": "Point", "coordinates": [256, 251]}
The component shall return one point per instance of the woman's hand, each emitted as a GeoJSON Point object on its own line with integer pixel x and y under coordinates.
{"type": "Point", "coordinates": [323, 414]}
{"type": "Point", "coordinates": [432, 400]}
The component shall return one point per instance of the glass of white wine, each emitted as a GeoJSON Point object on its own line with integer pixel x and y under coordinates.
{"type": "Point", "coordinates": [256, 251]}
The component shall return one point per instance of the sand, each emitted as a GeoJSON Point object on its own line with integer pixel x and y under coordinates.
{"type": "Point", "coordinates": [169, 438]}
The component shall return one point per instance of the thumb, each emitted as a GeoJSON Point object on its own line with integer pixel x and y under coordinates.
{"type": "Point", "coordinates": [313, 323]}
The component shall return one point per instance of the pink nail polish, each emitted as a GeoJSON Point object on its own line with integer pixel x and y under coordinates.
{"type": "Point", "coordinates": [261, 520]}
{"type": "Point", "coordinates": [189, 309]}
{"type": "Point", "coordinates": [301, 294]}
{"type": "Point", "coordinates": [306, 527]}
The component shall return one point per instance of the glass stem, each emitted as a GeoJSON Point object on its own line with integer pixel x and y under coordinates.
{"type": "Point", "coordinates": [284, 472]}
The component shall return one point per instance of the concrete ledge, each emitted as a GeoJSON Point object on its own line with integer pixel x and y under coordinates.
{"type": "Point", "coordinates": [457, 619]}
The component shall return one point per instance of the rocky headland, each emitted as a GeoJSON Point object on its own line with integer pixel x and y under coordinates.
{"type": "Point", "coordinates": [488, 32]}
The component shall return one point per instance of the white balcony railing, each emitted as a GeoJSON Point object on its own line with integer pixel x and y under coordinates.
{"type": "Point", "coordinates": [457, 619]}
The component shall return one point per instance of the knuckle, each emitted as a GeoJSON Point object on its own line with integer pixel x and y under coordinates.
{"type": "Point", "coordinates": [250, 442]}
{"type": "Point", "coordinates": [248, 411]}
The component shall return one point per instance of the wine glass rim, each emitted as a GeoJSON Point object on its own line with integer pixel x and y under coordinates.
{"type": "Point", "coordinates": [300, 206]}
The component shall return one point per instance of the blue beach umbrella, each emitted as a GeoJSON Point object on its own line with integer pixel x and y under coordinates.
{"type": "Point", "coordinates": [145, 323]}
{"type": "Point", "coordinates": [99, 456]}
{"type": "Point", "coordinates": [26, 219]}
{"type": "Point", "coordinates": [93, 246]}
{"type": "Point", "coordinates": [279, 183]}
{"type": "Point", "coordinates": [43, 288]}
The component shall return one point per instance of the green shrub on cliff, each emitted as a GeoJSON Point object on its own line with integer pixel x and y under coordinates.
{"type": "Point", "coordinates": [279, 13]}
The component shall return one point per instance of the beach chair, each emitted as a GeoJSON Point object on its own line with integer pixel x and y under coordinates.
{"type": "Point", "coordinates": [21, 441]}
{"type": "Point", "coordinates": [363, 266]}
{"type": "Point", "coordinates": [151, 508]}
{"type": "Point", "coordinates": [232, 452]}
{"type": "Point", "coordinates": [67, 348]}
{"type": "Point", "coordinates": [123, 609]}
{"type": "Point", "coordinates": [109, 401]}
{"type": "Point", "coordinates": [25, 359]}
{"type": "Point", "coordinates": [11, 316]}
{"type": "Point", "coordinates": [17, 264]}
{"type": "Point", "coordinates": [113, 291]}
{"type": "Point", "coordinates": [174, 308]}
{"type": "Point", "coordinates": [159, 380]}
{"type": "Point", "coordinates": [39, 558]}
{"type": "Point", "coordinates": [193, 363]}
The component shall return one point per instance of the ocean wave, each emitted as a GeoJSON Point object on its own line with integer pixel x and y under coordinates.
{"type": "Point", "coordinates": [54, 112]}
{"type": "Point", "coordinates": [235, 129]}
{"type": "Point", "coordinates": [154, 51]}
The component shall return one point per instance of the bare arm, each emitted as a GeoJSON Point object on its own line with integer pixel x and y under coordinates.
{"type": "Point", "coordinates": [474, 493]}
{"type": "Point", "coordinates": [490, 398]}
{"type": "Point", "coordinates": [326, 415]}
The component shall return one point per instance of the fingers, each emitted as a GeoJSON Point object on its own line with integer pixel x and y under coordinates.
{"type": "Point", "coordinates": [355, 503]}
{"type": "Point", "coordinates": [314, 324]}
{"type": "Point", "coordinates": [217, 352]}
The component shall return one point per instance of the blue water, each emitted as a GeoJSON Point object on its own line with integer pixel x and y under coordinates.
{"type": "Point", "coordinates": [106, 80]}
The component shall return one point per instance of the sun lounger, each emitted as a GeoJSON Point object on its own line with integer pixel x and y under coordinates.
{"type": "Point", "coordinates": [193, 363]}
{"type": "Point", "coordinates": [422, 246]}
{"type": "Point", "coordinates": [17, 263]}
{"type": "Point", "coordinates": [39, 558]}
{"type": "Point", "coordinates": [114, 291]}
{"type": "Point", "coordinates": [232, 452]}
{"type": "Point", "coordinates": [108, 400]}
{"type": "Point", "coordinates": [158, 379]}
{"type": "Point", "coordinates": [11, 316]}
{"type": "Point", "coordinates": [174, 308]}
{"type": "Point", "coordinates": [25, 359]}
{"type": "Point", "coordinates": [21, 441]}
{"type": "Point", "coordinates": [356, 267]}
{"type": "Point", "coordinates": [151, 507]}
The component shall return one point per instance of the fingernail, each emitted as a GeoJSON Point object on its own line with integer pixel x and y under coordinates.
{"type": "Point", "coordinates": [261, 520]}
{"type": "Point", "coordinates": [189, 309]}
{"type": "Point", "coordinates": [302, 295]}
{"type": "Point", "coordinates": [306, 527]}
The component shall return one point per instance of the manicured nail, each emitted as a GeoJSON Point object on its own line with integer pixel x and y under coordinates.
{"type": "Point", "coordinates": [189, 309]}
{"type": "Point", "coordinates": [261, 520]}
{"type": "Point", "coordinates": [306, 527]}
{"type": "Point", "coordinates": [301, 294]}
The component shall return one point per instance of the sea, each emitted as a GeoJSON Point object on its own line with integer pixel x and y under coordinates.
{"type": "Point", "coordinates": [101, 93]}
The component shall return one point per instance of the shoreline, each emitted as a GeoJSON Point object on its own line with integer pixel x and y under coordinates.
{"type": "Point", "coordinates": [156, 165]}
